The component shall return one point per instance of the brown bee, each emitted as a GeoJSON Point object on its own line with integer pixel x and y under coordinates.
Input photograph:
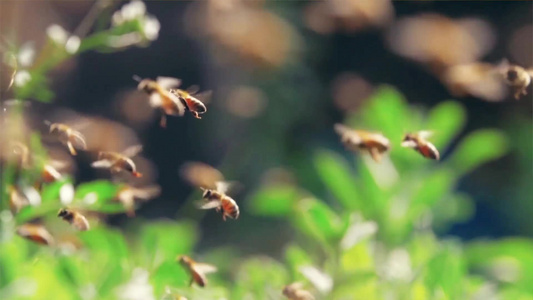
{"type": "Point", "coordinates": [161, 97]}
{"type": "Point", "coordinates": [20, 197]}
{"type": "Point", "coordinates": [192, 103]}
{"type": "Point", "coordinates": [418, 142]}
{"type": "Point", "coordinates": [515, 76]}
{"type": "Point", "coordinates": [128, 194]}
{"type": "Point", "coordinates": [76, 219]}
{"type": "Point", "coordinates": [197, 270]}
{"type": "Point", "coordinates": [36, 233]}
{"type": "Point", "coordinates": [358, 140]}
{"type": "Point", "coordinates": [68, 136]}
{"type": "Point", "coordinates": [217, 198]}
{"type": "Point", "coordinates": [295, 291]}
{"type": "Point", "coordinates": [118, 162]}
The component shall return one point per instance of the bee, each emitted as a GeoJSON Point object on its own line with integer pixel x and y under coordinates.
{"type": "Point", "coordinates": [358, 140]}
{"type": "Point", "coordinates": [418, 142]}
{"type": "Point", "coordinates": [295, 291]}
{"type": "Point", "coordinates": [190, 98]}
{"type": "Point", "coordinates": [20, 197]}
{"type": "Point", "coordinates": [118, 162]}
{"type": "Point", "coordinates": [36, 233]}
{"type": "Point", "coordinates": [516, 76]}
{"type": "Point", "coordinates": [197, 270]}
{"type": "Point", "coordinates": [68, 136]}
{"type": "Point", "coordinates": [128, 194]}
{"type": "Point", "coordinates": [217, 198]}
{"type": "Point", "coordinates": [74, 218]}
{"type": "Point", "coordinates": [161, 97]}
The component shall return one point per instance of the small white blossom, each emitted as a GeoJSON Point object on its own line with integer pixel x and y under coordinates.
{"type": "Point", "coordinates": [138, 288]}
{"type": "Point", "coordinates": [26, 55]}
{"type": "Point", "coordinates": [133, 10]}
{"type": "Point", "coordinates": [66, 193]}
{"type": "Point", "coordinates": [151, 28]}
{"type": "Point", "coordinates": [21, 78]}
{"type": "Point", "coordinates": [73, 44]}
{"type": "Point", "coordinates": [90, 198]}
{"type": "Point", "coordinates": [57, 34]}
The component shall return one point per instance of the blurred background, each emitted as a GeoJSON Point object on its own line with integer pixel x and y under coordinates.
{"type": "Point", "coordinates": [282, 73]}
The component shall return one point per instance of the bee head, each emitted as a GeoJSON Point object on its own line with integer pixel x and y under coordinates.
{"type": "Point", "coordinates": [512, 74]}
{"type": "Point", "coordinates": [183, 259]}
{"type": "Point", "coordinates": [146, 85]}
{"type": "Point", "coordinates": [408, 137]}
{"type": "Point", "coordinates": [62, 212]}
{"type": "Point", "coordinates": [207, 193]}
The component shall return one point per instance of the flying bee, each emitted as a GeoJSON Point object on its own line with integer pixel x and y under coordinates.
{"type": "Point", "coordinates": [160, 96]}
{"type": "Point", "coordinates": [197, 270]}
{"type": "Point", "coordinates": [74, 218]}
{"type": "Point", "coordinates": [36, 233]}
{"type": "Point", "coordinates": [68, 136]}
{"type": "Point", "coordinates": [20, 197]}
{"type": "Point", "coordinates": [217, 198]}
{"type": "Point", "coordinates": [515, 76]}
{"type": "Point", "coordinates": [191, 99]}
{"type": "Point", "coordinates": [128, 194]}
{"type": "Point", "coordinates": [295, 291]}
{"type": "Point", "coordinates": [359, 140]}
{"type": "Point", "coordinates": [118, 162]}
{"type": "Point", "coordinates": [418, 142]}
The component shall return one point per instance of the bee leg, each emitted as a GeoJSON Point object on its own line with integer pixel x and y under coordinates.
{"type": "Point", "coordinates": [163, 122]}
{"type": "Point", "coordinates": [196, 115]}
{"type": "Point", "coordinates": [224, 217]}
{"type": "Point", "coordinates": [71, 148]}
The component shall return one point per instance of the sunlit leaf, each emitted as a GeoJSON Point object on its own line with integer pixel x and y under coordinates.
{"type": "Point", "coordinates": [446, 121]}
{"type": "Point", "coordinates": [446, 271]}
{"type": "Point", "coordinates": [317, 219]}
{"type": "Point", "coordinates": [273, 201]}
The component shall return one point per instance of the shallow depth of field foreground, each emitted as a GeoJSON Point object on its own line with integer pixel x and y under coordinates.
{"type": "Point", "coordinates": [266, 150]}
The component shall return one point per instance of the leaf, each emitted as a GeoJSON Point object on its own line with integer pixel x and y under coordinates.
{"type": "Point", "coordinates": [446, 271]}
{"type": "Point", "coordinates": [358, 258]}
{"type": "Point", "coordinates": [295, 258]}
{"type": "Point", "coordinates": [165, 240]}
{"type": "Point", "coordinates": [317, 220]}
{"type": "Point", "coordinates": [260, 278]}
{"type": "Point", "coordinates": [446, 120]}
{"type": "Point", "coordinates": [338, 178]}
{"type": "Point", "coordinates": [96, 195]}
{"type": "Point", "coordinates": [477, 148]}
{"type": "Point", "coordinates": [275, 201]}
{"type": "Point", "coordinates": [433, 188]}
{"type": "Point", "coordinates": [169, 273]}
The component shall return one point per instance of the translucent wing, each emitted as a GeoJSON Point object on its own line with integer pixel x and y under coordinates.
{"type": "Point", "coordinates": [223, 186]}
{"type": "Point", "coordinates": [132, 150]}
{"type": "Point", "coordinates": [209, 205]}
{"type": "Point", "coordinates": [193, 89]}
{"type": "Point", "coordinates": [148, 192]}
{"type": "Point", "coordinates": [204, 268]}
{"type": "Point", "coordinates": [410, 144]}
{"type": "Point", "coordinates": [104, 163]}
{"type": "Point", "coordinates": [168, 82]}
{"type": "Point", "coordinates": [205, 96]}
{"type": "Point", "coordinates": [424, 134]}
{"type": "Point", "coordinates": [78, 140]}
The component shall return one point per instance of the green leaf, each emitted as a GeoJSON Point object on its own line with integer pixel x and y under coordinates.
{"type": "Point", "coordinates": [334, 172]}
{"type": "Point", "coordinates": [96, 195]}
{"type": "Point", "coordinates": [260, 278]}
{"type": "Point", "coordinates": [477, 148]}
{"type": "Point", "coordinates": [446, 119]}
{"type": "Point", "coordinates": [165, 240]}
{"type": "Point", "coordinates": [317, 220]}
{"type": "Point", "coordinates": [275, 201]}
{"type": "Point", "coordinates": [358, 258]}
{"type": "Point", "coordinates": [169, 274]}
{"type": "Point", "coordinates": [446, 271]}
{"type": "Point", "coordinates": [430, 191]}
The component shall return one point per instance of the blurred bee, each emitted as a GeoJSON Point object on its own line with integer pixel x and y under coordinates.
{"type": "Point", "coordinates": [358, 140]}
{"type": "Point", "coordinates": [74, 218]}
{"type": "Point", "coordinates": [68, 136]}
{"type": "Point", "coordinates": [20, 197]}
{"type": "Point", "coordinates": [192, 103]}
{"type": "Point", "coordinates": [217, 198]}
{"type": "Point", "coordinates": [199, 174]}
{"type": "Point", "coordinates": [197, 270]}
{"type": "Point", "coordinates": [36, 233]}
{"type": "Point", "coordinates": [418, 142]}
{"type": "Point", "coordinates": [515, 76]}
{"type": "Point", "coordinates": [118, 162]}
{"type": "Point", "coordinates": [295, 291]}
{"type": "Point", "coordinates": [161, 97]}
{"type": "Point", "coordinates": [128, 194]}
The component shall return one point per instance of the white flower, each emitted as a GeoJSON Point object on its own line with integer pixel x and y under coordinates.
{"type": "Point", "coordinates": [57, 34]}
{"type": "Point", "coordinates": [151, 28]}
{"type": "Point", "coordinates": [66, 193]}
{"type": "Point", "coordinates": [26, 55]}
{"type": "Point", "coordinates": [21, 78]}
{"type": "Point", "coordinates": [90, 198]}
{"type": "Point", "coordinates": [133, 10]}
{"type": "Point", "coordinates": [73, 44]}
{"type": "Point", "coordinates": [138, 288]}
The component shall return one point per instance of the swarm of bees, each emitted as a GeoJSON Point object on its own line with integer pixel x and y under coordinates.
{"type": "Point", "coordinates": [377, 145]}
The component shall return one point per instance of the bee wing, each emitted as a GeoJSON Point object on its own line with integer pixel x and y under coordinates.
{"type": "Point", "coordinates": [104, 163]}
{"type": "Point", "coordinates": [148, 192]}
{"type": "Point", "coordinates": [193, 89]}
{"type": "Point", "coordinates": [168, 82]}
{"type": "Point", "coordinates": [78, 140]}
{"type": "Point", "coordinates": [204, 97]}
{"type": "Point", "coordinates": [209, 204]}
{"type": "Point", "coordinates": [132, 150]}
{"type": "Point", "coordinates": [80, 222]}
{"type": "Point", "coordinates": [222, 186]}
{"type": "Point", "coordinates": [204, 268]}
{"type": "Point", "coordinates": [424, 134]}
{"type": "Point", "coordinates": [341, 129]}
{"type": "Point", "coordinates": [409, 144]}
